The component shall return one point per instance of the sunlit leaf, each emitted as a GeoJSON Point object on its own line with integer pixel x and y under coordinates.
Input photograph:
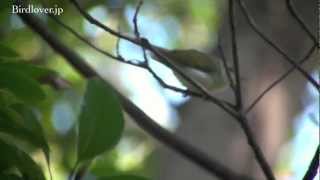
{"type": "Point", "coordinates": [100, 121]}
{"type": "Point", "coordinates": [21, 85]}
{"type": "Point", "coordinates": [123, 177]}
{"type": "Point", "coordinates": [30, 70]}
{"type": "Point", "coordinates": [11, 156]}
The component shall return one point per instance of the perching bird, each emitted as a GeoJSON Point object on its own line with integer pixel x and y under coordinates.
{"type": "Point", "coordinates": [205, 69]}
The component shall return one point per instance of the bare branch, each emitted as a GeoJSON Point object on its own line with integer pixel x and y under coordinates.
{"type": "Point", "coordinates": [145, 43]}
{"type": "Point", "coordinates": [223, 105]}
{"type": "Point", "coordinates": [281, 78]}
{"type": "Point", "coordinates": [185, 92]}
{"type": "Point", "coordinates": [118, 44]}
{"type": "Point", "coordinates": [298, 18]}
{"type": "Point", "coordinates": [241, 119]}
{"type": "Point", "coordinates": [144, 121]}
{"type": "Point", "coordinates": [206, 94]}
{"type": "Point", "coordinates": [225, 66]}
{"type": "Point", "coordinates": [146, 64]}
{"type": "Point", "coordinates": [235, 56]}
{"type": "Point", "coordinates": [82, 38]}
{"type": "Point", "coordinates": [256, 149]}
{"type": "Point", "coordinates": [99, 24]}
{"type": "Point", "coordinates": [253, 25]}
{"type": "Point", "coordinates": [135, 20]}
{"type": "Point", "coordinates": [313, 167]}
{"type": "Point", "coordinates": [106, 53]}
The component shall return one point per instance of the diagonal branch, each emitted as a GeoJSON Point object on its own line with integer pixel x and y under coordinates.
{"type": "Point", "coordinates": [313, 167]}
{"type": "Point", "coordinates": [225, 66]}
{"type": "Point", "coordinates": [146, 64]}
{"type": "Point", "coordinates": [94, 21]}
{"type": "Point", "coordinates": [241, 119]}
{"type": "Point", "coordinates": [106, 53]}
{"type": "Point", "coordinates": [235, 56]}
{"type": "Point", "coordinates": [300, 21]}
{"type": "Point", "coordinates": [255, 28]}
{"type": "Point", "coordinates": [281, 78]}
{"type": "Point", "coordinates": [135, 20]}
{"type": "Point", "coordinates": [185, 92]}
{"type": "Point", "coordinates": [256, 149]}
{"type": "Point", "coordinates": [147, 45]}
{"type": "Point", "coordinates": [223, 105]}
{"type": "Point", "coordinates": [144, 121]}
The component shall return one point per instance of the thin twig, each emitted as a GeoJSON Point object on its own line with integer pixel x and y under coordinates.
{"type": "Point", "coordinates": [144, 121]}
{"type": "Point", "coordinates": [255, 28]}
{"type": "Point", "coordinates": [146, 44]}
{"type": "Point", "coordinates": [227, 107]}
{"type": "Point", "coordinates": [225, 66]}
{"type": "Point", "coordinates": [146, 60]}
{"type": "Point", "coordinates": [135, 20]}
{"type": "Point", "coordinates": [82, 38]}
{"type": "Point", "coordinates": [241, 119]}
{"type": "Point", "coordinates": [313, 167]}
{"type": "Point", "coordinates": [118, 44]}
{"type": "Point", "coordinates": [146, 64]}
{"type": "Point", "coordinates": [99, 24]}
{"type": "Point", "coordinates": [256, 149]}
{"type": "Point", "coordinates": [300, 21]}
{"type": "Point", "coordinates": [281, 78]}
{"type": "Point", "coordinates": [235, 55]}
{"type": "Point", "coordinates": [185, 92]}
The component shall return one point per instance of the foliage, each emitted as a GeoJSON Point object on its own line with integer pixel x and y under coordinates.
{"type": "Point", "coordinates": [28, 107]}
{"type": "Point", "coordinates": [100, 122]}
{"type": "Point", "coordinates": [100, 113]}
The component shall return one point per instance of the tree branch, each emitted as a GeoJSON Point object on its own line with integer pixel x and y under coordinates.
{"type": "Point", "coordinates": [241, 119]}
{"type": "Point", "coordinates": [281, 78]}
{"type": "Point", "coordinates": [119, 58]}
{"type": "Point", "coordinates": [226, 107]}
{"type": "Point", "coordinates": [313, 167]}
{"type": "Point", "coordinates": [297, 17]}
{"type": "Point", "coordinates": [255, 28]}
{"type": "Point", "coordinates": [256, 149]}
{"type": "Point", "coordinates": [144, 121]}
{"type": "Point", "coordinates": [225, 66]}
{"type": "Point", "coordinates": [235, 56]}
{"type": "Point", "coordinates": [145, 43]}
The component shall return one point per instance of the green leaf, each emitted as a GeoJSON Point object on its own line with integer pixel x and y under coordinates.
{"type": "Point", "coordinates": [7, 98]}
{"type": "Point", "coordinates": [21, 85]}
{"type": "Point", "coordinates": [20, 122]}
{"type": "Point", "coordinates": [27, 69]}
{"type": "Point", "coordinates": [11, 156]}
{"type": "Point", "coordinates": [123, 177]}
{"type": "Point", "coordinates": [9, 177]}
{"type": "Point", "coordinates": [33, 126]}
{"type": "Point", "coordinates": [100, 121]}
{"type": "Point", "coordinates": [7, 53]}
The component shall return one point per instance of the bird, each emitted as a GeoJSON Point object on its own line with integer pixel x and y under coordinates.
{"type": "Point", "coordinates": [201, 67]}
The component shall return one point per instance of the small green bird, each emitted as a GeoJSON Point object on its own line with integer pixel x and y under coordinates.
{"type": "Point", "coordinates": [205, 69]}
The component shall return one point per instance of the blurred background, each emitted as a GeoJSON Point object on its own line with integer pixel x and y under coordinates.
{"type": "Point", "coordinates": [285, 121]}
